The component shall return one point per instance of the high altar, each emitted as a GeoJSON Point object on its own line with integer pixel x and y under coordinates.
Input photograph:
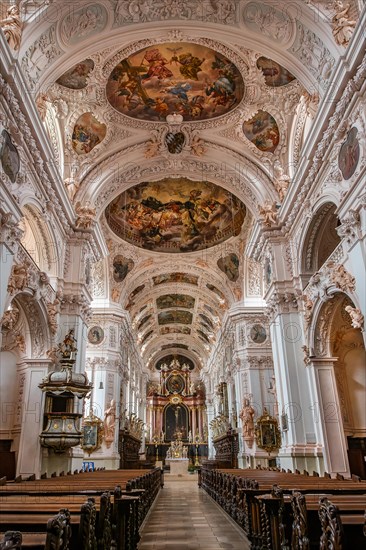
{"type": "Point", "coordinates": [176, 412]}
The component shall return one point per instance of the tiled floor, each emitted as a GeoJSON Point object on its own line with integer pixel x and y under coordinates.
{"type": "Point", "coordinates": [185, 518]}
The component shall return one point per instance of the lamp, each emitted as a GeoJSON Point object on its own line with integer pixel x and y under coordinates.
{"type": "Point", "coordinates": [101, 386]}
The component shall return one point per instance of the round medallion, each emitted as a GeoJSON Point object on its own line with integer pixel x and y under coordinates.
{"type": "Point", "coordinates": [95, 335]}
{"type": "Point", "coordinates": [175, 384]}
{"type": "Point", "coordinates": [258, 334]}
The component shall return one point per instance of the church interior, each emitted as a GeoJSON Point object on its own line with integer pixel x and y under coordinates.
{"type": "Point", "coordinates": [183, 274]}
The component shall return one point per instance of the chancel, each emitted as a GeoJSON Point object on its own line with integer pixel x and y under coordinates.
{"type": "Point", "coordinates": [183, 274]}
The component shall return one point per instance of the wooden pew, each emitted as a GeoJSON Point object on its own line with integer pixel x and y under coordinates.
{"type": "Point", "coordinates": [244, 495]}
{"type": "Point", "coordinates": [34, 501]}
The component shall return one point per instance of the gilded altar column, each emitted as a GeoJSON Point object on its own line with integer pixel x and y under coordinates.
{"type": "Point", "coordinates": [200, 429]}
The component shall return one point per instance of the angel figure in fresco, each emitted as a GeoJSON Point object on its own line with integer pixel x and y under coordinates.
{"type": "Point", "coordinates": [12, 27]}
{"type": "Point", "coordinates": [157, 65]}
{"type": "Point", "coordinates": [190, 65]}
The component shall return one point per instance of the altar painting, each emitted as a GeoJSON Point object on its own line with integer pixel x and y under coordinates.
{"type": "Point", "coordinates": [175, 215]}
{"type": "Point", "coordinates": [274, 74]}
{"type": "Point", "coordinates": [262, 131]}
{"type": "Point", "coordinates": [88, 133]}
{"type": "Point", "coordinates": [175, 278]}
{"type": "Point", "coordinates": [175, 330]}
{"type": "Point", "coordinates": [76, 77]}
{"type": "Point", "coordinates": [192, 80]}
{"type": "Point", "coordinates": [175, 300]}
{"type": "Point", "coordinates": [178, 316]}
{"type": "Point", "coordinates": [176, 422]}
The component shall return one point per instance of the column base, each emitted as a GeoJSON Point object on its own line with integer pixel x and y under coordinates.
{"type": "Point", "coordinates": [302, 457]}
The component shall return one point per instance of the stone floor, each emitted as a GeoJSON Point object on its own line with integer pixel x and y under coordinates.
{"type": "Point", "coordinates": [184, 517]}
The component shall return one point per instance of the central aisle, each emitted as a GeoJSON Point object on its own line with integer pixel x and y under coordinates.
{"type": "Point", "coordinates": [185, 517]}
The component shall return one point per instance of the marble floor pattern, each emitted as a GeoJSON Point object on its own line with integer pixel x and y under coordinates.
{"type": "Point", "coordinates": [184, 517]}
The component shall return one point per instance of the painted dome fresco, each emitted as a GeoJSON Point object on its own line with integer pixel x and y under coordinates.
{"type": "Point", "coordinates": [176, 215]}
{"type": "Point", "coordinates": [186, 78]}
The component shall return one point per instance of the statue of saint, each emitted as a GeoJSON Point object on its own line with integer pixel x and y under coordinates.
{"type": "Point", "coordinates": [68, 347]}
{"type": "Point", "coordinates": [190, 437]}
{"type": "Point", "coordinates": [247, 418]}
{"type": "Point", "coordinates": [110, 423]}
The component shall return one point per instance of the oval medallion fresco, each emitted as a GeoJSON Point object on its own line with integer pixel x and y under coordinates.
{"type": "Point", "coordinates": [274, 74]}
{"type": "Point", "coordinates": [349, 154]}
{"type": "Point", "coordinates": [88, 133]}
{"type": "Point", "coordinates": [262, 130]}
{"type": "Point", "coordinates": [190, 79]}
{"type": "Point", "coordinates": [76, 77]}
{"type": "Point", "coordinates": [176, 215]}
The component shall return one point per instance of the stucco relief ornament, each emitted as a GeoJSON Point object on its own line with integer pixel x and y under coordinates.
{"type": "Point", "coordinates": [12, 27]}
{"type": "Point", "coordinates": [86, 216]}
{"type": "Point", "coordinates": [341, 278]}
{"type": "Point", "coordinates": [306, 351]}
{"type": "Point", "coordinates": [53, 308]}
{"type": "Point", "coordinates": [308, 308]}
{"type": "Point", "coordinates": [269, 214]}
{"type": "Point", "coordinates": [9, 319]}
{"type": "Point", "coordinates": [343, 26]}
{"type": "Point", "coordinates": [18, 278]}
{"type": "Point", "coordinates": [356, 316]}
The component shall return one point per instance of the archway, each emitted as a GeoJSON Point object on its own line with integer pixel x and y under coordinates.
{"type": "Point", "coordinates": [340, 369]}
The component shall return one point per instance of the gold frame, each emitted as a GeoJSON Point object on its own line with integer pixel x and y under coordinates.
{"type": "Point", "coordinates": [96, 426]}
{"type": "Point", "coordinates": [267, 433]}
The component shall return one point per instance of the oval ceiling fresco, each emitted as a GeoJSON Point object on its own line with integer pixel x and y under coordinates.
{"type": "Point", "coordinates": [262, 130]}
{"type": "Point", "coordinates": [274, 74]}
{"type": "Point", "coordinates": [190, 79]}
{"type": "Point", "coordinates": [88, 133]}
{"type": "Point", "coordinates": [176, 215]}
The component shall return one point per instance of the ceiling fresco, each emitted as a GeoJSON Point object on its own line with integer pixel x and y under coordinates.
{"type": "Point", "coordinates": [176, 215]}
{"type": "Point", "coordinates": [175, 278]}
{"type": "Point", "coordinates": [186, 78]}
{"type": "Point", "coordinates": [175, 330]}
{"type": "Point", "coordinates": [175, 300]}
{"type": "Point", "coordinates": [274, 74]}
{"type": "Point", "coordinates": [88, 133]}
{"type": "Point", "coordinates": [76, 77]}
{"type": "Point", "coordinates": [230, 266]}
{"type": "Point", "coordinates": [262, 131]}
{"type": "Point", "coordinates": [177, 316]}
{"type": "Point", "coordinates": [121, 267]}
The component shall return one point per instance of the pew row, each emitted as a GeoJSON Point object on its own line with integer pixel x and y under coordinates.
{"type": "Point", "coordinates": [262, 502]}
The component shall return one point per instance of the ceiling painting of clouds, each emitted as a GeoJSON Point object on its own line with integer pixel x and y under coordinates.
{"type": "Point", "coordinates": [76, 77]}
{"type": "Point", "coordinates": [176, 215]}
{"type": "Point", "coordinates": [262, 130]}
{"type": "Point", "coordinates": [178, 316]}
{"type": "Point", "coordinates": [186, 78]}
{"type": "Point", "coordinates": [274, 74]}
{"type": "Point", "coordinates": [175, 300]}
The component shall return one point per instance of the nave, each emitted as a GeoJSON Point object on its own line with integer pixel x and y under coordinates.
{"type": "Point", "coordinates": [185, 517]}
